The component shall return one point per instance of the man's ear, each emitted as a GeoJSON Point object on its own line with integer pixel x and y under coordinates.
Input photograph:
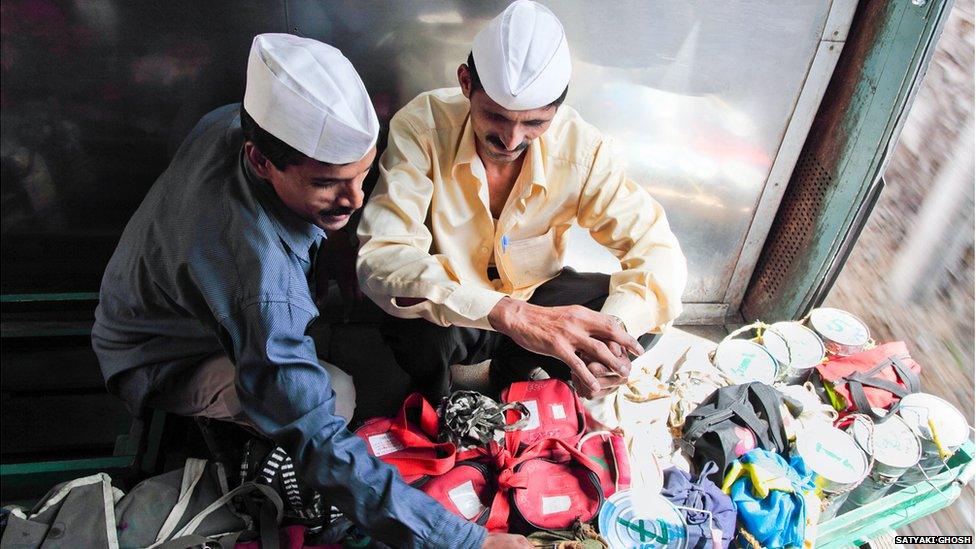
{"type": "Point", "coordinates": [260, 163]}
{"type": "Point", "coordinates": [464, 79]}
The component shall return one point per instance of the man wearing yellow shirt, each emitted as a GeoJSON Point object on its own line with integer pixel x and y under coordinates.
{"type": "Point", "coordinates": [463, 238]}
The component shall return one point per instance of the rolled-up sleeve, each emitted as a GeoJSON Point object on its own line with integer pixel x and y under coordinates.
{"type": "Point", "coordinates": [394, 255]}
{"type": "Point", "coordinates": [288, 396]}
{"type": "Point", "coordinates": [623, 217]}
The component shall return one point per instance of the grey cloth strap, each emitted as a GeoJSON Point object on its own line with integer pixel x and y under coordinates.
{"type": "Point", "coordinates": [267, 514]}
{"type": "Point", "coordinates": [858, 380]}
{"type": "Point", "coordinates": [702, 423]}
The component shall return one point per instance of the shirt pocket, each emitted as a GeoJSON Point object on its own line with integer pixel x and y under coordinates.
{"type": "Point", "coordinates": [532, 260]}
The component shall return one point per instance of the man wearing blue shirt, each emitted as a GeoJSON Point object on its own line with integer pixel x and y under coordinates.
{"type": "Point", "coordinates": [205, 305]}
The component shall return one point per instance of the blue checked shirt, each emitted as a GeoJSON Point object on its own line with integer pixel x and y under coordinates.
{"type": "Point", "coordinates": [213, 262]}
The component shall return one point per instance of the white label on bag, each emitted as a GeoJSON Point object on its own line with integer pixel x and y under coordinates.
{"type": "Point", "coordinates": [466, 500]}
{"type": "Point", "coordinates": [533, 407]}
{"type": "Point", "coordinates": [558, 412]}
{"type": "Point", "coordinates": [555, 504]}
{"type": "Point", "coordinates": [383, 444]}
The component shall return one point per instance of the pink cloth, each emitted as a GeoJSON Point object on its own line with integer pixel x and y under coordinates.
{"type": "Point", "coordinates": [290, 537]}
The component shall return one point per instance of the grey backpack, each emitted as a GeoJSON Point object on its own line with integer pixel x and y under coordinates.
{"type": "Point", "coordinates": [184, 508]}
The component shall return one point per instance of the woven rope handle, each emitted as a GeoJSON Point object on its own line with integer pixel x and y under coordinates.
{"type": "Point", "coordinates": [750, 539]}
{"type": "Point", "coordinates": [869, 425]}
{"type": "Point", "coordinates": [825, 408]}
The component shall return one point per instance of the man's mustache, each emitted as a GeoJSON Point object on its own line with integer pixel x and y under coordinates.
{"type": "Point", "coordinates": [336, 212]}
{"type": "Point", "coordinates": [497, 142]}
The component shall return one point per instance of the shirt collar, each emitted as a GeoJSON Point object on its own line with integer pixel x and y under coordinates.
{"type": "Point", "coordinates": [537, 166]}
{"type": "Point", "coordinates": [299, 235]}
{"type": "Point", "coordinates": [467, 153]}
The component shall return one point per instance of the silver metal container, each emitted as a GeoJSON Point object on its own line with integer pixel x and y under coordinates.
{"type": "Point", "coordinates": [921, 411]}
{"type": "Point", "coordinates": [843, 334]}
{"type": "Point", "coordinates": [895, 449]}
{"type": "Point", "coordinates": [837, 461]}
{"type": "Point", "coordinates": [796, 348]}
{"type": "Point", "coordinates": [744, 361]}
{"type": "Point", "coordinates": [649, 521]}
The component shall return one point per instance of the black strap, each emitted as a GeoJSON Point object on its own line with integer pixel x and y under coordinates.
{"type": "Point", "coordinates": [268, 526]}
{"type": "Point", "coordinates": [769, 401]}
{"type": "Point", "coordinates": [266, 523]}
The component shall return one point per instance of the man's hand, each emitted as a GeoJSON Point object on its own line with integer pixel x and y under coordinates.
{"type": "Point", "coordinates": [505, 541]}
{"type": "Point", "coordinates": [567, 333]}
{"type": "Point", "coordinates": [606, 380]}
{"type": "Point", "coordinates": [337, 261]}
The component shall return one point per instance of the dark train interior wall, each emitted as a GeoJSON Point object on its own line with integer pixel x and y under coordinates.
{"type": "Point", "coordinates": [96, 97]}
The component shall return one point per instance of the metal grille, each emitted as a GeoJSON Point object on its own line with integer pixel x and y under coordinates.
{"type": "Point", "coordinates": [792, 229]}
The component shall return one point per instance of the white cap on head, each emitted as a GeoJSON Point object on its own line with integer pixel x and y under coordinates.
{"type": "Point", "coordinates": [308, 95]}
{"type": "Point", "coordinates": [522, 57]}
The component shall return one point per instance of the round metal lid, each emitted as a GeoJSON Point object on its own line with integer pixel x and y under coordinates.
{"type": "Point", "coordinates": [950, 424]}
{"type": "Point", "coordinates": [894, 443]}
{"type": "Point", "coordinates": [840, 326]}
{"type": "Point", "coordinates": [745, 361]}
{"type": "Point", "coordinates": [650, 523]}
{"type": "Point", "coordinates": [805, 347]}
{"type": "Point", "coordinates": [832, 454]}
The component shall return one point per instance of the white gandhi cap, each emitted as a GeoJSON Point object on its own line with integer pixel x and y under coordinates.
{"type": "Point", "coordinates": [522, 57]}
{"type": "Point", "coordinates": [308, 95]}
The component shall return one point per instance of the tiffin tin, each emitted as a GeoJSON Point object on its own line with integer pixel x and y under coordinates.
{"type": "Point", "coordinates": [843, 334]}
{"type": "Point", "coordinates": [838, 462]}
{"type": "Point", "coordinates": [796, 348]}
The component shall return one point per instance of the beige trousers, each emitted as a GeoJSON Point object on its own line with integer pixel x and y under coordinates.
{"type": "Point", "coordinates": [208, 391]}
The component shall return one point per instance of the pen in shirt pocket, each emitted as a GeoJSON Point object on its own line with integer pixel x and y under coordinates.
{"type": "Point", "coordinates": [504, 243]}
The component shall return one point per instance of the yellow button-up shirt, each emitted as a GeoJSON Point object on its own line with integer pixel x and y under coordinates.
{"type": "Point", "coordinates": [427, 230]}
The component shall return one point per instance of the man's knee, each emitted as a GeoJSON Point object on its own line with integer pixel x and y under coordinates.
{"type": "Point", "coordinates": [345, 390]}
{"type": "Point", "coordinates": [205, 390]}
{"type": "Point", "coordinates": [420, 346]}
{"type": "Point", "coordinates": [209, 390]}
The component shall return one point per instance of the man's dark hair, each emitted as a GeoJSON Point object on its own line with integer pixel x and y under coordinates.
{"type": "Point", "coordinates": [476, 82]}
{"type": "Point", "coordinates": [280, 154]}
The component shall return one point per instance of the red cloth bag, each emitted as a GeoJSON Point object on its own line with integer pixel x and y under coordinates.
{"type": "Point", "coordinates": [876, 378]}
{"type": "Point", "coordinates": [537, 490]}
{"type": "Point", "coordinates": [409, 440]}
{"type": "Point", "coordinates": [466, 490]}
{"type": "Point", "coordinates": [555, 411]}
{"type": "Point", "coordinates": [609, 451]}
